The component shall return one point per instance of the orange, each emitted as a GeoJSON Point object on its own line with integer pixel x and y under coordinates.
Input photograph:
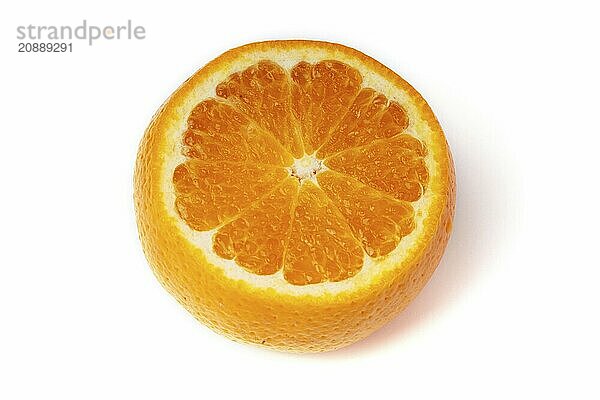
{"type": "Point", "coordinates": [294, 194]}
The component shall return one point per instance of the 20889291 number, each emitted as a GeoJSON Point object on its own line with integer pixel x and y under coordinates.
{"type": "Point", "coordinates": [28, 47]}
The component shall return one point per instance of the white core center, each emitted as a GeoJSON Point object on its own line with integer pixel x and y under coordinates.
{"type": "Point", "coordinates": [306, 167]}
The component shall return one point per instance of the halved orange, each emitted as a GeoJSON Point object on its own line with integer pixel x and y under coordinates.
{"type": "Point", "coordinates": [294, 194]}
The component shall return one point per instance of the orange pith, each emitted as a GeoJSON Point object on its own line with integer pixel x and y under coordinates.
{"type": "Point", "coordinates": [317, 226]}
{"type": "Point", "coordinates": [294, 194]}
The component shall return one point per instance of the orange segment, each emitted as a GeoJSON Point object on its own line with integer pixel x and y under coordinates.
{"type": "Point", "coordinates": [377, 220]}
{"type": "Point", "coordinates": [321, 95]}
{"type": "Point", "coordinates": [371, 117]}
{"type": "Point", "coordinates": [209, 193]}
{"type": "Point", "coordinates": [262, 92]}
{"type": "Point", "coordinates": [257, 238]}
{"type": "Point", "coordinates": [321, 246]}
{"type": "Point", "coordinates": [394, 166]}
{"type": "Point", "coordinates": [217, 131]}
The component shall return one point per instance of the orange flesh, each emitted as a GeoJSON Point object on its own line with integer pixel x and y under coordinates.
{"type": "Point", "coordinates": [254, 171]}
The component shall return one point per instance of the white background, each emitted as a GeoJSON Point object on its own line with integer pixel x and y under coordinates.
{"type": "Point", "coordinates": [511, 312]}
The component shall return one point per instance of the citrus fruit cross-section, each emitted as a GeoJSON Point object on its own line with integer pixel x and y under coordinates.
{"type": "Point", "coordinates": [294, 194]}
